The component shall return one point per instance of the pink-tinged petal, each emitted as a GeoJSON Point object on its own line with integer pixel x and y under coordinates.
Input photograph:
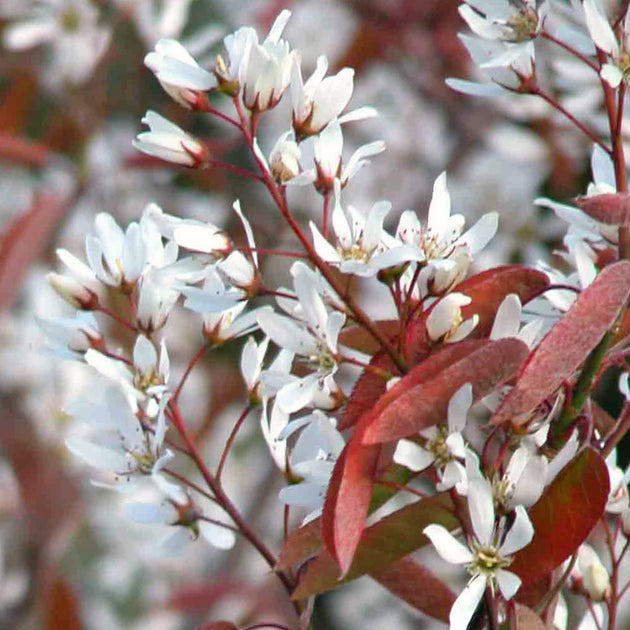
{"type": "Point", "coordinates": [481, 508]}
{"type": "Point", "coordinates": [465, 605]}
{"type": "Point", "coordinates": [599, 28]}
{"type": "Point", "coordinates": [447, 545]}
{"type": "Point", "coordinates": [508, 583]}
{"type": "Point", "coordinates": [458, 407]}
{"type": "Point", "coordinates": [440, 206]}
{"type": "Point", "coordinates": [413, 456]}
{"type": "Point", "coordinates": [217, 536]}
{"type": "Point", "coordinates": [507, 319]}
{"type": "Point", "coordinates": [519, 535]}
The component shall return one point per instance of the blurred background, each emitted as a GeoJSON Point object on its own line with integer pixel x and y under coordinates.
{"type": "Point", "coordinates": [73, 89]}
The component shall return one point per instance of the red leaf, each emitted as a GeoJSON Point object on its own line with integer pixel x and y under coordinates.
{"type": "Point", "coordinates": [387, 541]}
{"type": "Point", "coordinates": [350, 488]}
{"type": "Point", "coordinates": [610, 208]}
{"type": "Point", "coordinates": [489, 288]}
{"type": "Point", "coordinates": [569, 342]}
{"type": "Point", "coordinates": [564, 516]}
{"type": "Point", "coordinates": [366, 391]}
{"type": "Point", "coordinates": [305, 542]}
{"type": "Point", "coordinates": [418, 586]}
{"type": "Point", "coordinates": [424, 405]}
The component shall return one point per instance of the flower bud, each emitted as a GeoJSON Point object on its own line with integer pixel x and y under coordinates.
{"type": "Point", "coordinates": [590, 576]}
{"type": "Point", "coordinates": [73, 291]}
{"type": "Point", "coordinates": [168, 142]}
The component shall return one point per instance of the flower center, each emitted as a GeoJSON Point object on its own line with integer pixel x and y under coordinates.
{"type": "Point", "coordinates": [354, 252]}
{"type": "Point", "coordinates": [524, 25]}
{"type": "Point", "coordinates": [439, 448]}
{"type": "Point", "coordinates": [487, 560]}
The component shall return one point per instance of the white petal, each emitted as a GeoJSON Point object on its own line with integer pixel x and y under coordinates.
{"type": "Point", "coordinates": [611, 74]}
{"type": "Point", "coordinates": [507, 319]}
{"type": "Point", "coordinates": [98, 456]}
{"type": "Point", "coordinates": [303, 495]}
{"type": "Point", "coordinates": [599, 28]}
{"type": "Point", "coordinates": [217, 536]}
{"type": "Point", "coordinates": [482, 232]}
{"type": "Point", "coordinates": [508, 583]}
{"type": "Point", "coordinates": [481, 508]}
{"type": "Point", "coordinates": [458, 407]}
{"type": "Point", "coordinates": [440, 206]}
{"type": "Point", "coordinates": [519, 535]}
{"type": "Point", "coordinates": [151, 513]}
{"type": "Point", "coordinates": [465, 605]}
{"type": "Point", "coordinates": [475, 89]}
{"type": "Point", "coordinates": [413, 456]}
{"type": "Point", "coordinates": [447, 545]}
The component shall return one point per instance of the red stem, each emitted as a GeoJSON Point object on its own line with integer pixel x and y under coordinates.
{"type": "Point", "coordinates": [230, 441]}
{"type": "Point", "coordinates": [191, 364]}
{"type": "Point", "coordinates": [324, 269]}
{"type": "Point", "coordinates": [225, 502]}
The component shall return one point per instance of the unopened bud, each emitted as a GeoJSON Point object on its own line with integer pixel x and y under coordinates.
{"type": "Point", "coordinates": [73, 292]}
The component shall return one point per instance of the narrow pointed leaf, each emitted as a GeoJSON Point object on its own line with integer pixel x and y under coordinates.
{"type": "Point", "coordinates": [387, 541]}
{"type": "Point", "coordinates": [426, 404]}
{"type": "Point", "coordinates": [418, 586]}
{"type": "Point", "coordinates": [569, 342]}
{"type": "Point", "coordinates": [564, 516]}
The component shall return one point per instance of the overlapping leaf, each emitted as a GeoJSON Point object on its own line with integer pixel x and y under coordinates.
{"type": "Point", "coordinates": [569, 342]}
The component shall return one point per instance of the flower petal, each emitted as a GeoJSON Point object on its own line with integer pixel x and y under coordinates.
{"type": "Point", "coordinates": [447, 545]}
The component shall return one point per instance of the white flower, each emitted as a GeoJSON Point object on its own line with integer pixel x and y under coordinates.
{"type": "Point", "coordinates": [502, 20]}
{"type": "Point", "coordinates": [118, 442]}
{"type": "Point", "coordinates": [71, 28]}
{"type": "Point", "coordinates": [315, 339]}
{"type": "Point", "coordinates": [284, 162]}
{"type": "Point", "coordinates": [523, 481]}
{"type": "Point", "coordinates": [178, 73]}
{"type": "Point", "coordinates": [327, 148]}
{"type": "Point", "coordinates": [149, 373]}
{"type": "Point", "coordinates": [605, 39]}
{"type": "Point", "coordinates": [487, 557]}
{"type": "Point", "coordinates": [252, 357]}
{"type": "Point", "coordinates": [177, 510]}
{"type": "Point", "coordinates": [359, 238]}
{"type": "Point", "coordinates": [71, 337]}
{"type": "Point", "coordinates": [117, 257]}
{"type": "Point", "coordinates": [444, 445]}
{"type": "Point", "coordinates": [312, 460]}
{"type": "Point", "coordinates": [169, 142]}
{"type": "Point", "coordinates": [445, 321]}
{"type": "Point", "coordinates": [321, 100]}
{"type": "Point", "coordinates": [266, 70]}
{"type": "Point", "coordinates": [444, 253]}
